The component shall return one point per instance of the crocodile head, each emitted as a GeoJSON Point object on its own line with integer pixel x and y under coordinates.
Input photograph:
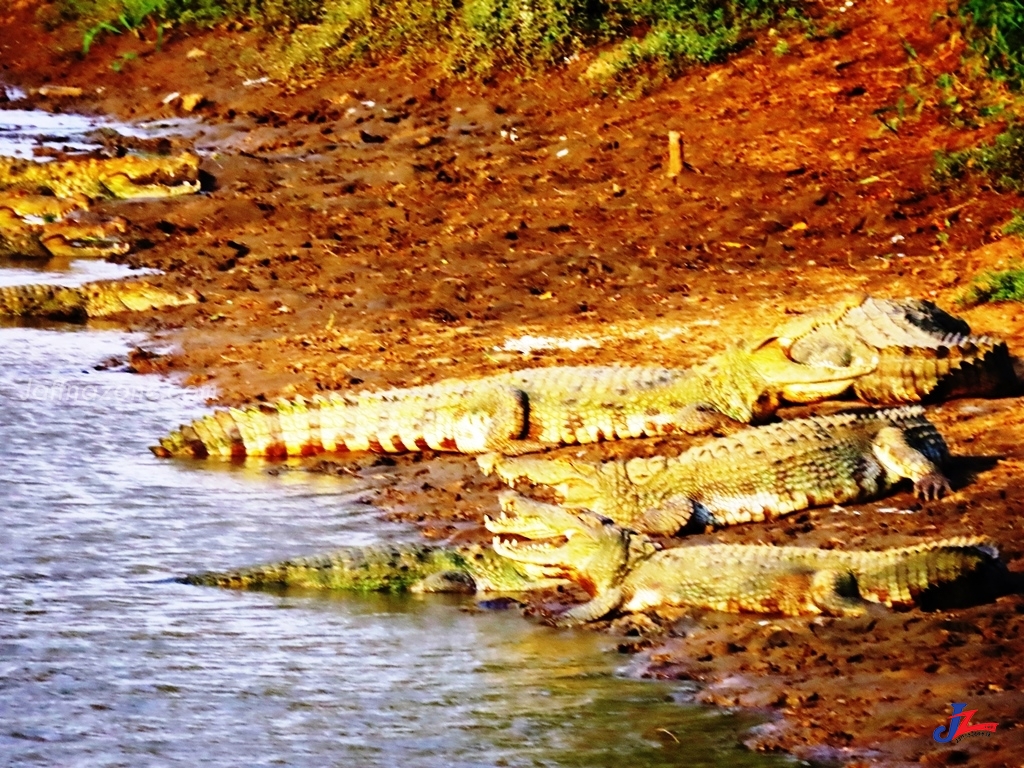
{"type": "Point", "coordinates": [72, 239]}
{"type": "Point", "coordinates": [585, 548]}
{"type": "Point", "coordinates": [138, 176]}
{"type": "Point", "coordinates": [103, 298]}
{"type": "Point", "coordinates": [886, 351]}
{"type": "Point", "coordinates": [38, 226]}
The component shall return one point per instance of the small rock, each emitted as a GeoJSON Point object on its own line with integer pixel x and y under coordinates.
{"type": "Point", "coordinates": [195, 53]}
{"type": "Point", "coordinates": [190, 101]}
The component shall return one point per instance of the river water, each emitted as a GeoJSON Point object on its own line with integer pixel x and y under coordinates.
{"type": "Point", "coordinates": [103, 662]}
{"type": "Point", "coordinates": [22, 131]}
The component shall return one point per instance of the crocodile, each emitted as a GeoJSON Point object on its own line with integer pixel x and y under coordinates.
{"type": "Point", "coordinates": [625, 571]}
{"type": "Point", "coordinates": [756, 474]}
{"type": "Point", "coordinates": [924, 353]}
{"type": "Point", "coordinates": [128, 177]}
{"type": "Point", "coordinates": [63, 239]}
{"type": "Point", "coordinates": [526, 411]}
{"type": "Point", "coordinates": [90, 300]}
{"type": "Point", "coordinates": [509, 413]}
{"type": "Point", "coordinates": [467, 568]}
{"type": "Point", "coordinates": [39, 226]}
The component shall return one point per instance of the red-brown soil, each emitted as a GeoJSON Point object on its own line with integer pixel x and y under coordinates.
{"type": "Point", "coordinates": [345, 244]}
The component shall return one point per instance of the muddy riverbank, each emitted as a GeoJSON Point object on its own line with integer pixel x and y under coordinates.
{"type": "Point", "coordinates": [385, 228]}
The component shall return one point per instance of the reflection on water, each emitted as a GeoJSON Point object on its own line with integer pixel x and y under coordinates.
{"type": "Point", "coordinates": [21, 130]}
{"type": "Point", "coordinates": [61, 272]}
{"type": "Point", "coordinates": [102, 663]}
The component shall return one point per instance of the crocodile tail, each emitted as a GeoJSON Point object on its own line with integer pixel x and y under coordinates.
{"type": "Point", "coordinates": [394, 568]}
{"type": "Point", "coordinates": [41, 301]}
{"type": "Point", "coordinates": [286, 428]}
{"type": "Point", "coordinates": [937, 569]}
{"type": "Point", "coordinates": [279, 430]}
{"type": "Point", "coordinates": [470, 417]}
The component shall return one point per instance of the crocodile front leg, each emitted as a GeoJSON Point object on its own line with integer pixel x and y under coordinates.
{"type": "Point", "coordinates": [592, 610]}
{"type": "Point", "coordinates": [900, 460]}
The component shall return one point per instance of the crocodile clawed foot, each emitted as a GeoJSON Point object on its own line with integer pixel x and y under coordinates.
{"type": "Point", "coordinates": [932, 486]}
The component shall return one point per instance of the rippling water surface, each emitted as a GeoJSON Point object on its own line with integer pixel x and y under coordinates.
{"type": "Point", "coordinates": [102, 663]}
{"type": "Point", "coordinates": [23, 130]}
{"type": "Point", "coordinates": [105, 663]}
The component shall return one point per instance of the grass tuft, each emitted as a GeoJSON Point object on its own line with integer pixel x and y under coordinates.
{"type": "Point", "coordinates": [1015, 226]}
{"type": "Point", "coordinates": [996, 30]}
{"type": "Point", "coordinates": [1002, 161]}
{"type": "Point", "coordinates": [678, 35]}
{"type": "Point", "coordinates": [991, 286]}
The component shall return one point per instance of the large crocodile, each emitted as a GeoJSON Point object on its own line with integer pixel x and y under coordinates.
{"type": "Point", "coordinates": [922, 349]}
{"type": "Point", "coordinates": [128, 177]}
{"type": "Point", "coordinates": [90, 300]}
{"type": "Point", "coordinates": [625, 571]}
{"type": "Point", "coordinates": [755, 474]}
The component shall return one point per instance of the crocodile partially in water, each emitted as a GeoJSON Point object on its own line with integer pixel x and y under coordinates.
{"type": "Point", "coordinates": [625, 571]}
{"type": "Point", "coordinates": [885, 351]}
{"type": "Point", "coordinates": [128, 177]}
{"type": "Point", "coordinates": [755, 474]}
{"type": "Point", "coordinates": [101, 298]}
{"type": "Point", "coordinates": [389, 568]}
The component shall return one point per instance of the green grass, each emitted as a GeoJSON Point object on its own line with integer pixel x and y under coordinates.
{"type": "Point", "coordinates": [996, 30]}
{"type": "Point", "coordinates": [1015, 226]}
{"type": "Point", "coordinates": [1002, 161]}
{"type": "Point", "coordinates": [679, 35]}
{"type": "Point", "coordinates": [640, 41]}
{"type": "Point", "coordinates": [646, 39]}
{"type": "Point", "coordinates": [1005, 285]}
{"type": "Point", "coordinates": [99, 18]}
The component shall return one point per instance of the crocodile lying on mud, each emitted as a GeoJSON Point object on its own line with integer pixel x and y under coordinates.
{"type": "Point", "coordinates": [924, 353]}
{"type": "Point", "coordinates": [129, 177]}
{"type": "Point", "coordinates": [90, 300]}
{"type": "Point", "coordinates": [756, 474]}
{"type": "Point", "coordinates": [886, 351]}
{"type": "Point", "coordinates": [37, 199]}
{"type": "Point", "coordinates": [625, 571]}
{"type": "Point", "coordinates": [40, 227]}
